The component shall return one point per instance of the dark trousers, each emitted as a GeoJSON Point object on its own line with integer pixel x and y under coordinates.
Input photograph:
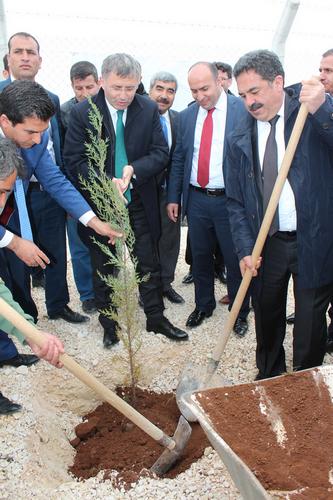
{"type": "Point", "coordinates": [48, 224]}
{"type": "Point", "coordinates": [168, 243]}
{"type": "Point", "coordinates": [145, 251]}
{"type": "Point", "coordinates": [208, 220]}
{"type": "Point", "coordinates": [279, 263]}
{"type": "Point", "coordinates": [218, 255]}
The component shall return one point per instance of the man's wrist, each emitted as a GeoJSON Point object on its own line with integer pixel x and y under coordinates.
{"type": "Point", "coordinates": [86, 218]}
{"type": "Point", "coordinates": [6, 239]}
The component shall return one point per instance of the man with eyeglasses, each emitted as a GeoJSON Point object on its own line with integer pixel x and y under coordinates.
{"type": "Point", "coordinates": [133, 120]}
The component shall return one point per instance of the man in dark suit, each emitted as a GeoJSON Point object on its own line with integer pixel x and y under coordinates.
{"type": "Point", "coordinates": [46, 216]}
{"type": "Point", "coordinates": [130, 122]}
{"type": "Point", "coordinates": [25, 112]}
{"type": "Point", "coordinates": [196, 172]}
{"type": "Point", "coordinates": [163, 88]}
{"type": "Point", "coordinates": [300, 241]}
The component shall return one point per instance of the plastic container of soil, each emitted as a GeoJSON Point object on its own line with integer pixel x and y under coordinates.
{"type": "Point", "coordinates": [274, 436]}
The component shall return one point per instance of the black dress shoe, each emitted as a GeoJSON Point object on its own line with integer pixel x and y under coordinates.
{"type": "Point", "coordinates": [19, 360]}
{"type": "Point", "coordinates": [290, 319]}
{"type": "Point", "coordinates": [167, 329]}
{"type": "Point", "coordinates": [197, 317]}
{"type": "Point", "coordinates": [329, 345]}
{"type": "Point", "coordinates": [188, 279]}
{"type": "Point", "coordinates": [241, 327]}
{"type": "Point", "coordinates": [221, 275]}
{"type": "Point", "coordinates": [70, 316]}
{"type": "Point", "coordinates": [110, 337]}
{"type": "Point", "coordinates": [173, 296]}
{"type": "Point", "coordinates": [140, 301]}
{"type": "Point", "coordinates": [89, 306]}
{"type": "Point", "coordinates": [7, 407]}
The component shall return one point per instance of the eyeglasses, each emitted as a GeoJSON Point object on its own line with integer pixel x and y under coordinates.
{"type": "Point", "coordinates": [118, 90]}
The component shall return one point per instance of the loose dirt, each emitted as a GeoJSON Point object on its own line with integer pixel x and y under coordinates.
{"type": "Point", "coordinates": [108, 441]}
{"type": "Point", "coordinates": [281, 428]}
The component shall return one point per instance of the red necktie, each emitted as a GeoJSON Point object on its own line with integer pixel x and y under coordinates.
{"type": "Point", "coordinates": [204, 151]}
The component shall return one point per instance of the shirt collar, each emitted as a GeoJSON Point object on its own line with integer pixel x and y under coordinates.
{"type": "Point", "coordinates": [113, 111]}
{"type": "Point", "coordinates": [167, 117]}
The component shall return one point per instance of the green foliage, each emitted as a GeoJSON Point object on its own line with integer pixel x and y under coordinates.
{"type": "Point", "coordinates": [124, 282]}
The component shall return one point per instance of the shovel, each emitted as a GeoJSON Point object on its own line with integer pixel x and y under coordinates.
{"type": "Point", "coordinates": [194, 377]}
{"type": "Point", "coordinates": [173, 446]}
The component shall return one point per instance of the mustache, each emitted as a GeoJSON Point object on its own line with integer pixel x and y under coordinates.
{"type": "Point", "coordinates": [255, 106]}
{"type": "Point", "coordinates": [164, 100]}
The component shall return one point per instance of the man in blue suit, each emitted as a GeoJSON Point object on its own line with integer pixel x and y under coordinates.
{"type": "Point", "coordinates": [25, 112]}
{"type": "Point", "coordinates": [46, 216]}
{"type": "Point", "coordinates": [196, 172]}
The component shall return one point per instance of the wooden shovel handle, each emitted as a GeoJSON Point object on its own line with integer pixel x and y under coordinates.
{"type": "Point", "coordinates": [259, 244]}
{"type": "Point", "coordinates": [36, 336]}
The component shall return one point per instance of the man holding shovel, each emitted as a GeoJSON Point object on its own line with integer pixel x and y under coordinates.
{"type": "Point", "coordinates": [300, 240]}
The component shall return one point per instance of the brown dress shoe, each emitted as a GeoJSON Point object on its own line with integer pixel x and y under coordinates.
{"type": "Point", "coordinates": [225, 300]}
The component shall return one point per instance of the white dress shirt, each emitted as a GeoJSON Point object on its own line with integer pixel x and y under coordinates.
{"type": "Point", "coordinates": [219, 115]}
{"type": "Point", "coordinates": [287, 206]}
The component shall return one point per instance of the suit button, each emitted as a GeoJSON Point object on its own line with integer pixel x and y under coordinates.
{"type": "Point", "coordinates": [250, 175]}
{"type": "Point", "coordinates": [253, 217]}
{"type": "Point", "coordinates": [236, 249]}
{"type": "Point", "coordinates": [325, 126]}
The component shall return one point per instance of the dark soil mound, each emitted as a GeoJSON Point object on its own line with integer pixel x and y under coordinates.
{"type": "Point", "coordinates": [108, 441]}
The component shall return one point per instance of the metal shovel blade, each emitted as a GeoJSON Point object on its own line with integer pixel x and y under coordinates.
{"type": "Point", "coordinates": [169, 457]}
{"type": "Point", "coordinates": [195, 378]}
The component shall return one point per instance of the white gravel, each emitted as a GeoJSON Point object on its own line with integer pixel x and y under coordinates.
{"type": "Point", "coordinates": [34, 448]}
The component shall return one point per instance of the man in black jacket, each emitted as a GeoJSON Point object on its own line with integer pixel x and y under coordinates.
{"type": "Point", "coordinates": [147, 154]}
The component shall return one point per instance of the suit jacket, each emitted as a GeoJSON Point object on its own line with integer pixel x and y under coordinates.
{"type": "Point", "coordinates": [39, 163]}
{"type": "Point", "coordinates": [311, 179]}
{"type": "Point", "coordinates": [181, 166]}
{"type": "Point", "coordinates": [145, 144]}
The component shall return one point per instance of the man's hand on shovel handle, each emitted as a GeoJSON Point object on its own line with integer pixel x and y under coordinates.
{"type": "Point", "coordinates": [247, 262]}
{"type": "Point", "coordinates": [312, 94]}
{"type": "Point", "coordinates": [50, 350]}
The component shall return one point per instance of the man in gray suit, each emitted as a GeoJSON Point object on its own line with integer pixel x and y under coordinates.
{"type": "Point", "coordinates": [163, 88]}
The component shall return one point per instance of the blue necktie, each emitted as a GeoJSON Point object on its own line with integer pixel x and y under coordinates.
{"type": "Point", "coordinates": [121, 156]}
{"type": "Point", "coordinates": [165, 128]}
{"type": "Point", "coordinates": [22, 210]}
{"type": "Point", "coordinates": [166, 135]}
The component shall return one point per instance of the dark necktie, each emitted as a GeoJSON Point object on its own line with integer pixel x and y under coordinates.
{"type": "Point", "coordinates": [270, 170]}
{"type": "Point", "coordinates": [121, 156]}
{"type": "Point", "coordinates": [204, 151]}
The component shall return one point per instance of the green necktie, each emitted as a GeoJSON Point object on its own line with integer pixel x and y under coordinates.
{"type": "Point", "coordinates": [121, 156]}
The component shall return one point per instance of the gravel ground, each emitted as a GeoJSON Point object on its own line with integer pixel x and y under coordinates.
{"type": "Point", "coordinates": [34, 448]}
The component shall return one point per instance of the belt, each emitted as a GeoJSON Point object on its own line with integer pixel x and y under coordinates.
{"type": "Point", "coordinates": [35, 185]}
{"type": "Point", "coordinates": [210, 192]}
{"type": "Point", "coordinates": [288, 233]}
